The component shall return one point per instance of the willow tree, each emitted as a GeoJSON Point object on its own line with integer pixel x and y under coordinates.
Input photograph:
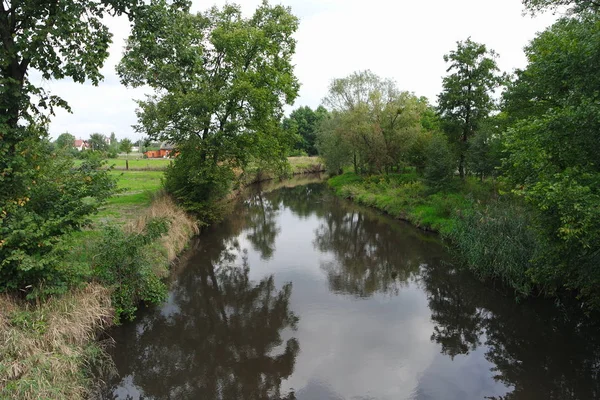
{"type": "Point", "coordinates": [220, 82]}
{"type": "Point", "coordinates": [466, 98]}
{"type": "Point", "coordinates": [373, 118]}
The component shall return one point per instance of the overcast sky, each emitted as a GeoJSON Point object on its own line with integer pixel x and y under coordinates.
{"type": "Point", "coordinates": [403, 40]}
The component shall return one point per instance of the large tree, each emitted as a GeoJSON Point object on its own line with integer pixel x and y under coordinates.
{"type": "Point", "coordinates": [305, 122]}
{"type": "Point", "coordinates": [466, 98]}
{"type": "Point", "coordinates": [58, 39]}
{"type": "Point", "coordinates": [574, 6]}
{"type": "Point", "coordinates": [220, 83]}
{"type": "Point", "coordinates": [553, 146]}
{"type": "Point", "coordinates": [65, 141]}
{"type": "Point", "coordinates": [374, 118]}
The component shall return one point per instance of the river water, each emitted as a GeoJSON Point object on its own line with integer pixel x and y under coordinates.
{"type": "Point", "coordinates": [301, 295]}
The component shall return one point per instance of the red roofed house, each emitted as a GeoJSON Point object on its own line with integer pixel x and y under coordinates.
{"type": "Point", "coordinates": [81, 145]}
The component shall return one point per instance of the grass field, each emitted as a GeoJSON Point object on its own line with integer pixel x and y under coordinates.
{"type": "Point", "coordinates": [155, 164]}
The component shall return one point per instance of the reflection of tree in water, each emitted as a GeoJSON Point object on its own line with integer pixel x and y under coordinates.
{"type": "Point", "coordinates": [262, 224]}
{"type": "Point", "coordinates": [370, 254]}
{"type": "Point", "coordinates": [218, 337]}
{"type": "Point", "coordinates": [542, 353]}
{"type": "Point", "coordinates": [262, 212]}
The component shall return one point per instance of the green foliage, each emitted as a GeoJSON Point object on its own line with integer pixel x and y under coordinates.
{"type": "Point", "coordinates": [98, 142]}
{"type": "Point", "coordinates": [332, 146]}
{"type": "Point", "coordinates": [59, 201]}
{"type": "Point", "coordinates": [125, 146]}
{"type": "Point", "coordinates": [466, 98]}
{"type": "Point", "coordinates": [65, 141]}
{"type": "Point", "coordinates": [197, 183]}
{"type": "Point", "coordinates": [552, 150]}
{"type": "Point", "coordinates": [122, 263]}
{"type": "Point", "coordinates": [221, 81]}
{"type": "Point", "coordinates": [575, 6]}
{"type": "Point", "coordinates": [305, 122]}
{"type": "Point", "coordinates": [496, 241]}
{"type": "Point", "coordinates": [485, 150]}
{"type": "Point", "coordinates": [372, 125]}
{"type": "Point", "coordinates": [440, 163]}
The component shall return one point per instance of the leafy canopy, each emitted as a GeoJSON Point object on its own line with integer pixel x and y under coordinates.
{"type": "Point", "coordinates": [466, 98]}
{"type": "Point", "coordinates": [220, 82]}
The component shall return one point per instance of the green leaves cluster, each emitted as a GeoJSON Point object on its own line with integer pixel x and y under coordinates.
{"type": "Point", "coordinates": [220, 83]}
{"type": "Point", "coordinates": [42, 196]}
{"type": "Point", "coordinates": [466, 99]}
{"type": "Point", "coordinates": [552, 150]}
{"type": "Point", "coordinates": [58, 201]}
{"type": "Point", "coordinates": [123, 263]}
{"type": "Point", "coordinates": [373, 125]}
{"type": "Point", "coordinates": [305, 122]}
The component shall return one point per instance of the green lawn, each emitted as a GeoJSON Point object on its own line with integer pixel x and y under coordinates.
{"type": "Point", "coordinates": [136, 164]}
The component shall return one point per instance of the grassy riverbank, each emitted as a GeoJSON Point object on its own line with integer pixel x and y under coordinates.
{"type": "Point", "coordinates": [492, 235]}
{"type": "Point", "coordinates": [405, 196]}
{"type": "Point", "coordinates": [49, 348]}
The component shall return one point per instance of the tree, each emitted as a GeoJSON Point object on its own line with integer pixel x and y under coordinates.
{"type": "Point", "coordinates": [98, 142]}
{"type": "Point", "coordinates": [378, 121]}
{"type": "Point", "coordinates": [65, 141]}
{"type": "Point", "coordinates": [439, 163]}
{"type": "Point", "coordinates": [552, 151]}
{"type": "Point", "coordinates": [220, 83]}
{"type": "Point", "coordinates": [52, 38]}
{"type": "Point", "coordinates": [466, 98]}
{"type": "Point", "coordinates": [575, 6]}
{"type": "Point", "coordinates": [125, 147]}
{"type": "Point", "coordinates": [306, 122]}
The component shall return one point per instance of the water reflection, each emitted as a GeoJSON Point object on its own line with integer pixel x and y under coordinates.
{"type": "Point", "coordinates": [218, 336]}
{"type": "Point", "coordinates": [435, 333]}
{"type": "Point", "coordinates": [370, 256]}
{"type": "Point", "coordinates": [539, 351]}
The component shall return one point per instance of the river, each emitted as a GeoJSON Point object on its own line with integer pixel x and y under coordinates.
{"type": "Point", "coordinates": [302, 295]}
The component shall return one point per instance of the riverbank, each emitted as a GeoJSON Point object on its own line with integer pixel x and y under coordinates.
{"type": "Point", "coordinates": [491, 235]}
{"type": "Point", "coordinates": [406, 197]}
{"type": "Point", "coordinates": [49, 349]}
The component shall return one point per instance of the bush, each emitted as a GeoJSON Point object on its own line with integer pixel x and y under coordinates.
{"type": "Point", "coordinates": [59, 201]}
{"type": "Point", "coordinates": [122, 262]}
{"type": "Point", "coordinates": [441, 164]}
{"type": "Point", "coordinates": [198, 184]}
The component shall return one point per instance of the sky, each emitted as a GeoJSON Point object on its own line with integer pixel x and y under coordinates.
{"type": "Point", "coordinates": [403, 40]}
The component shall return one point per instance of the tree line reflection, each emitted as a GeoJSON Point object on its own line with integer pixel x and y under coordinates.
{"type": "Point", "coordinates": [220, 336]}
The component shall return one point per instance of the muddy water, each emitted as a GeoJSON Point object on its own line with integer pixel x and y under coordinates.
{"type": "Point", "coordinates": [300, 295]}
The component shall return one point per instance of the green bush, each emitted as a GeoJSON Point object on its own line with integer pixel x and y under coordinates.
{"type": "Point", "coordinates": [122, 262]}
{"type": "Point", "coordinates": [198, 184]}
{"type": "Point", "coordinates": [441, 163]}
{"type": "Point", "coordinates": [59, 200]}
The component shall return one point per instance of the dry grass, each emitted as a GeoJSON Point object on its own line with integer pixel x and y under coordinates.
{"type": "Point", "coordinates": [182, 226]}
{"type": "Point", "coordinates": [47, 350]}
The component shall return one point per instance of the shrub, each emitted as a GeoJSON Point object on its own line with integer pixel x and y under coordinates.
{"type": "Point", "coordinates": [60, 200]}
{"type": "Point", "coordinates": [441, 163]}
{"type": "Point", "coordinates": [198, 184]}
{"type": "Point", "coordinates": [122, 262]}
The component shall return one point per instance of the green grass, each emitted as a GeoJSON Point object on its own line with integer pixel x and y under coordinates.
{"type": "Point", "coordinates": [139, 164]}
{"type": "Point", "coordinates": [406, 197]}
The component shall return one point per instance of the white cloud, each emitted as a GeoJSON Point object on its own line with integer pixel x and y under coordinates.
{"type": "Point", "coordinates": [404, 40]}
